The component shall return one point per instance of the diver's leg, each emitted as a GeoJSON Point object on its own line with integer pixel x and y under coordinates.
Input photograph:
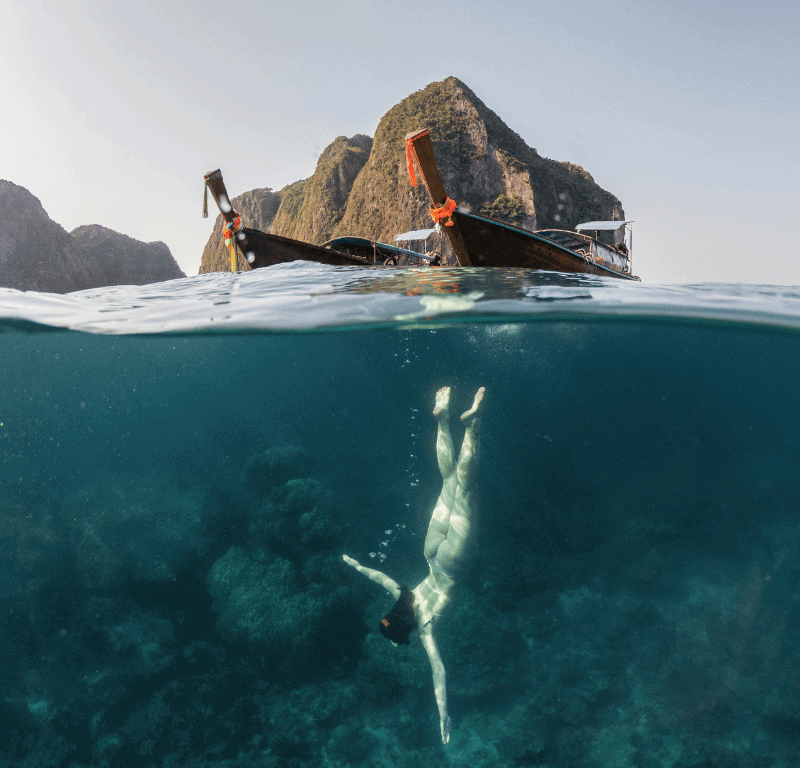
{"type": "Point", "coordinates": [444, 442]}
{"type": "Point", "coordinates": [440, 518]}
{"type": "Point", "coordinates": [469, 446]}
{"type": "Point", "coordinates": [452, 548]}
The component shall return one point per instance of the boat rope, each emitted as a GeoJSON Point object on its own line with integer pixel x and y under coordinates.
{"type": "Point", "coordinates": [229, 232]}
{"type": "Point", "coordinates": [411, 155]}
{"type": "Point", "coordinates": [444, 212]}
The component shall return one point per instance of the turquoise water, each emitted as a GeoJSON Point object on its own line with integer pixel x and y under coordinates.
{"type": "Point", "coordinates": [183, 465]}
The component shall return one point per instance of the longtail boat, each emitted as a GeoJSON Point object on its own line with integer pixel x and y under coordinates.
{"type": "Point", "coordinates": [479, 241]}
{"type": "Point", "coordinates": [262, 249]}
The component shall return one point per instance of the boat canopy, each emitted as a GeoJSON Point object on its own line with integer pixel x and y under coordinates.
{"type": "Point", "coordinates": [598, 225]}
{"type": "Point", "coordinates": [416, 234]}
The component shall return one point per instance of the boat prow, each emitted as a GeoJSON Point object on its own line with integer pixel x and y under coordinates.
{"type": "Point", "coordinates": [263, 249]}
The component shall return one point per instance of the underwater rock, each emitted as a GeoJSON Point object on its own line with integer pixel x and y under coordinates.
{"type": "Point", "coordinates": [385, 671]}
{"type": "Point", "coordinates": [264, 599]}
{"type": "Point", "coordinates": [142, 642]}
{"type": "Point", "coordinates": [393, 738]}
{"type": "Point", "coordinates": [32, 549]}
{"type": "Point", "coordinates": [134, 530]}
{"type": "Point", "coordinates": [270, 469]}
{"type": "Point", "coordinates": [299, 519]}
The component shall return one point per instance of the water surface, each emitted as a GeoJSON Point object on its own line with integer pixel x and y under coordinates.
{"type": "Point", "coordinates": [183, 465]}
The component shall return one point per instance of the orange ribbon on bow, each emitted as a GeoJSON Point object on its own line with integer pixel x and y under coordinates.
{"type": "Point", "coordinates": [229, 232]}
{"type": "Point", "coordinates": [444, 211]}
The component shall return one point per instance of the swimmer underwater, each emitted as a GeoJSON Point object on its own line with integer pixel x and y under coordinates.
{"type": "Point", "coordinates": [445, 544]}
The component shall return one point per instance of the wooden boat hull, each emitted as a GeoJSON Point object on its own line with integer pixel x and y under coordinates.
{"type": "Point", "coordinates": [490, 243]}
{"type": "Point", "coordinates": [265, 250]}
{"type": "Point", "coordinates": [478, 241]}
{"type": "Point", "coordinates": [261, 249]}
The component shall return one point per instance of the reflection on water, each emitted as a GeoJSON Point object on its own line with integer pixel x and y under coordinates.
{"type": "Point", "coordinates": [304, 297]}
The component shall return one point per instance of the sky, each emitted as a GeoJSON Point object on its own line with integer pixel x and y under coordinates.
{"type": "Point", "coordinates": [111, 111]}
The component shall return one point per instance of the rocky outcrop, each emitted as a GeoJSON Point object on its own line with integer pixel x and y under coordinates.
{"type": "Point", "coordinates": [123, 260]}
{"type": "Point", "coordinates": [361, 186]}
{"type": "Point", "coordinates": [485, 166]}
{"type": "Point", "coordinates": [326, 193]}
{"type": "Point", "coordinates": [37, 254]}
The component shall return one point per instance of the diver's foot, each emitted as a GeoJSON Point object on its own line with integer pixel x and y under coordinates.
{"type": "Point", "coordinates": [442, 402]}
{"type": "Point", "coordinates": [476, 409]}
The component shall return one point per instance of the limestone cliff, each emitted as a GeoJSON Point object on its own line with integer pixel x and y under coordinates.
{"type": "Point", "coordinates": [325, 194]}
{"type": "Point", "coordinates": [122, 260]}
{"type": "Point", "coordinates": [37, 254]}
{"type": "Point", "coordinates": [361, 186]}
{"type": "Point", "coordinates": [485, 166]}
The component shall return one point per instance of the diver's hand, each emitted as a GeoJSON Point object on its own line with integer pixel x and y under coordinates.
{"type": "Point", "coordinates": [349, 560]}
{"type": "Point", "coordinates": [445, 723]}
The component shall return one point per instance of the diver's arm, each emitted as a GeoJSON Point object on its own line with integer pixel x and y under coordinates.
{"type": "Point", "coordinates": [389, 584]}
{"type": "Point", "coordinates": [439, 687]}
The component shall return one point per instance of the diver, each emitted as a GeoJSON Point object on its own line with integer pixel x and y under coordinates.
{"type": "Point", "coordinates": [445, 542]}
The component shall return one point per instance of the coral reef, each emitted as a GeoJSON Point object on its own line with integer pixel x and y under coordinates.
{"type": "Point", "coordinates": [133, 528]}
{"type": "Point", "coordinates": [144, 631]}
{"type": "Point", "coordinates": [264, 599]}
{"type": "Point", "coordinates": [298, 519]}
{"type": "Point", "coordinates": [273, 467]}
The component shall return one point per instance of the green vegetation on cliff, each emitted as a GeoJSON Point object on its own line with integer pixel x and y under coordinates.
{"type": "Point", "coordinates": [484, 165]}
{"type": "Point", "coordinates": [311, 209]}
{"type": "Point", "coordinates": [505, 208]}
{"type": "Point", "coordinates": [288, 213]}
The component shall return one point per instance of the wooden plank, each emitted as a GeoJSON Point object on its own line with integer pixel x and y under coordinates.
{"type": "Point", "coordinates": [423, 149]}
{"type": "Point", "coordinates": [268, 249]}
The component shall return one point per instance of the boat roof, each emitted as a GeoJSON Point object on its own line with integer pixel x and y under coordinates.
{"type": "Point", "coordinates": [598, 225]}
{"type": "Point", "coordinates": [415, 234]}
